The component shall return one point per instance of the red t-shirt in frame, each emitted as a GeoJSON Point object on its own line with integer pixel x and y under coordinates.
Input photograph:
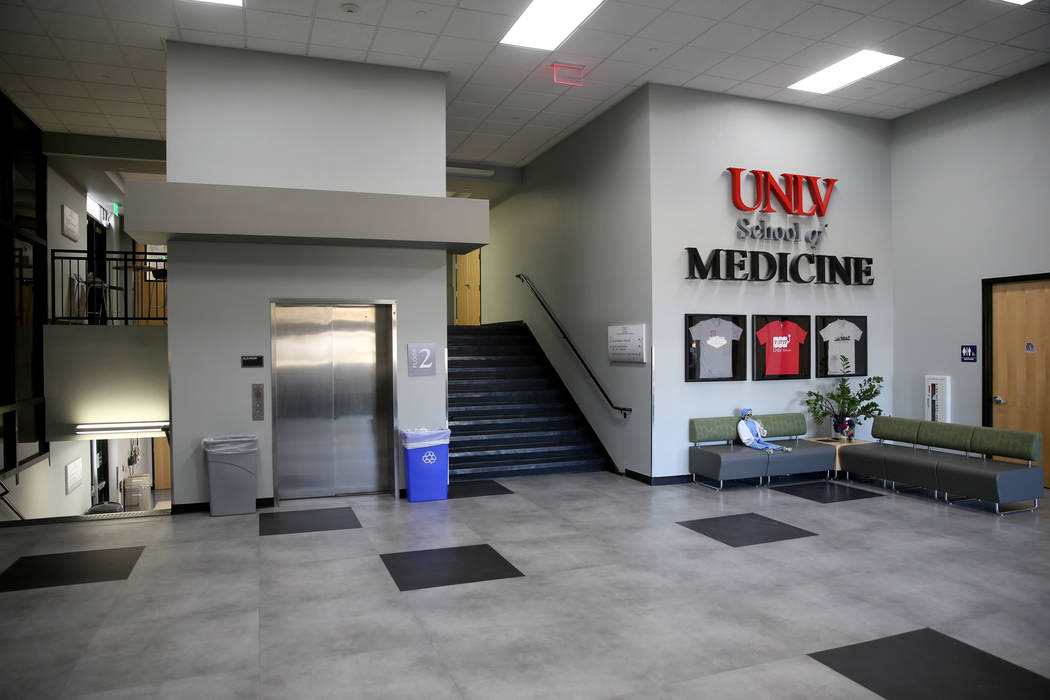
{"type": "Point", "coordinates": [783, 340]}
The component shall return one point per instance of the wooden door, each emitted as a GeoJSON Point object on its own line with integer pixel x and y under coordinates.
{"type": "Point", "coordinates": [161, 464]}
{"type": "Point", "coordinates": [468, 289]}
{"type": "Point", "coordinates": [1021, 358]}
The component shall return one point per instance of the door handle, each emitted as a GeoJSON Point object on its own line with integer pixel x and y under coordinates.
{"type": "Point", "coordinates": [998, 399]}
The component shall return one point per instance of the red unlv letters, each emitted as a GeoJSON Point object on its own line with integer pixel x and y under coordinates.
{"type": "Point", "coordinates": [767, 188]}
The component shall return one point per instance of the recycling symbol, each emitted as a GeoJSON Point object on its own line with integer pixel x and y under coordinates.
{"type": "Point", "coordinates": [429, 457]}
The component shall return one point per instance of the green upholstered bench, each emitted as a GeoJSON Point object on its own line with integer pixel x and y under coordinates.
{"type": "Point", "coordinates": [923, 460]}
{"type": "Point", "coordinates": [733, 460]}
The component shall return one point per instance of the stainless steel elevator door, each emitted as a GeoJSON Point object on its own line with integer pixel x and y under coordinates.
{"type": "Point", "coordinates": [333, 398]}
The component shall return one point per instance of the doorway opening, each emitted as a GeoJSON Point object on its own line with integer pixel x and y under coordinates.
{"type": "Point", "coordinates": [467, 270]}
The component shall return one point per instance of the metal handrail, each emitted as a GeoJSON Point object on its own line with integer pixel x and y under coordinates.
{"type": "Point", "coordinates": [130, 288]}
{"type": "Point", "coordinates": [624, 411]}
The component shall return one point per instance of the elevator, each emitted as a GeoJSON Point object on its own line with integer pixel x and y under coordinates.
{"type": "Point", "coordinates": [333, 371]}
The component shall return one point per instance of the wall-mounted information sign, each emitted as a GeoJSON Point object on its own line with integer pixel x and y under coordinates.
{"type": "Point", "coordinates": [421, 360]}
{"type": "Point", "coordinates": [938, 398]}
{"type": "Point", "coordinates": [251, 360]}
{"type": "Point", "coordinates": [627, 343]}
{"type": "Point", "coordinates": [74, 475]}
{"type": "Point", "coordinates": [968, 353]}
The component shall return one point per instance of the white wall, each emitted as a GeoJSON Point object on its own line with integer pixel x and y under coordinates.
{"type": "Point", "coordinates": [697, 135]}
{"type": "Point", "coordinates": [969, 202]}
{"type": "Point", "coordinates": [238, 117]}
{"type": "Point", "coordinates": [41, 488]}
{"type": "Point", "coordinates": [219, 309]}
{"type": "Point", "coordinates": [60, 192]}
{"type": "Point", "coordinates": [579, 228]}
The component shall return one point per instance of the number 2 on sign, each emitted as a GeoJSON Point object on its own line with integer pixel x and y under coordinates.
{"type": "Point", "coordinates": [426, 359]}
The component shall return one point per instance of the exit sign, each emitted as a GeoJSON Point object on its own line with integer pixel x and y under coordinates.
{"type": "Point", "coordinates": [968, 353]}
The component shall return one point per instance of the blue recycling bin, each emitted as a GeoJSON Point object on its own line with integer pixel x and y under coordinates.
{"type": "Point", "coordinates": [426, 463]}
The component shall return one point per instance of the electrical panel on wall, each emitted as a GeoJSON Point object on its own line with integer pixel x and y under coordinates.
{"type": "Point", "coordinates": [938, 398]}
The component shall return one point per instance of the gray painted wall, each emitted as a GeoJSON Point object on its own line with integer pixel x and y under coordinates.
{"type": "Point", "coordinates": [41, 488]}
{"type": "Point", "coordinates": [60, 192]}
{"type": "Point", "coordinates": [219, 309]}
{"type": "Point", "coordinates": [237, 117]}
{"type": "Point", "coordinates": [695, 137]}
{"type": "Point", "coordinates": [969, 202]}
{"type": "Point", "coordinates": [579, 228]}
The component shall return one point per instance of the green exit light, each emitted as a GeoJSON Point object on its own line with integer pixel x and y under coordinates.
{"type": "Point", "coordinates": [116, 208]}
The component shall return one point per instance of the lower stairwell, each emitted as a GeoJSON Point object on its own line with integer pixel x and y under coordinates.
{"type": "Point", "coordinates": [509, 412]}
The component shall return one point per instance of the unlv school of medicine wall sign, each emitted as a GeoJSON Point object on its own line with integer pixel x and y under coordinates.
{"type": "Point", "coordinates": [798, 196]}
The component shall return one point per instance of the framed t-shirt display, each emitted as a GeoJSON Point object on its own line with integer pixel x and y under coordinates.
{"type": "Point", "coordinates": [781, 347]}
{"type": "Point", "coordinates": [715, 349]}
{"type": "Point", "coordinates": [842, 346]}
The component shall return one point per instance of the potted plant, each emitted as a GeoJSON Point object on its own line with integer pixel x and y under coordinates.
{"type": "Point", "coordinates": [846, 407]}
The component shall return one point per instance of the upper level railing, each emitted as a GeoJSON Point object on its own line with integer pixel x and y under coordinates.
{"type": "Point", "coordinates": [118, 288]}
{"type": "Point", "coordinates": [624, 411]}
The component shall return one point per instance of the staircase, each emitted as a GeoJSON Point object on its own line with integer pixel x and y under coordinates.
{"type": "Point", "coordinates": [509, 413]}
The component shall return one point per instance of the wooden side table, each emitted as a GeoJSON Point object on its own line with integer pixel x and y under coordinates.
{"type": "Point", "coordinates": [838, 445]}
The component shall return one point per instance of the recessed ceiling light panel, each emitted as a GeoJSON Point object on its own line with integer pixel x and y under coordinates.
{"type": "Point", "coordinates": [848, 70]}
{"type": "Point", "coordinates": [232, 3]}
{"type": "Point", "coordinates": [545, 24]}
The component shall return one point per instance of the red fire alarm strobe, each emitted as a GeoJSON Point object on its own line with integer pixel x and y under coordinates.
{"type": "Point", "coordinates": [568, 74]}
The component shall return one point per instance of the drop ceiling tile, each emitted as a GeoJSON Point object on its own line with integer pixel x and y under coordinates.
{"type": "Point", "coordinates": [157, 111]}
{"type": "Point", "coordinates": [288, 7]}
{"type": "Point", "coordinates": [393, 59]}
{"type": "Point", "coordinates": [150, 59]}
{"type": "Point", "coordinates": [791, 97]}
{"type": "Point", "coordinates": [711, 83]}
{"type": "Point", "coordinates": [40, 67]}
{"type": "Point", "coordinates": [863, 109]}
{"type": "Point", "coordinates": [93, 130]}
{"type": "Point", "coordinates": [470, 110]}
{"type": "Point", "coordinates": [867, 32]}
{"type": "Point", "coordinates": [210, 18]}
{"type": "Point", "coordinates": [667, 76]}
{"type": "Point", "coordinates": [91, 52]}
{"type": "Point", "coordinates": [24, 100]}
{"type": "Point", "coordinates": [930, 98]}
{"type": "Point", "coordinates": [913, 41]}
{"type": "Point", "coordinates": [905, 71]}
{"type": "Point", "coordinates": [450, 48]}
{"type": "Point", "coordinates": [272, 25]}
{"type": "Point", "coordinates": [944, 79]}
{"type": "Point", "coordinates": [515, 57]}
{"type": "Point", "coordinates": [404, 42]}
{"type": "Point", "coordinates": [728, 37]}
{"type": "Point", "coordinates": [638, 50]}
{"type": "Point", "coordinates": [658, 4]}
{"type": "Point", "coordinates": [415, 16]}
{"type": "Point", "coordinates": [768, 14]}
{"type": "Point", "coordinates": [617, 72]}
{"type": "Point", "coordinates": [142, 124]}
{"type": "Point", "coordinates": [820, 55]}
{"type": "Point", "coordinates": [466, 124]}
{"type": "Point", "coordinates": [40, 115]}
{"type": "Point", "coordinates": [954, 50]}
{"type": "Point", "coordinates": [235, 41]}
{"type": "Point", "coordinates": [497, 128]}
{"type": "Point", "coordinates": [52, 86]}
{"type": "Point", "coordinates": [863, 89]}
{"type": "Point", "coordinates": [480, 139]}
{"type": "Point", "coordinates": [145, 36]}
{"type": "Point", "coordinates": [1009, 25]}
{"type": "Point", "coordinates": [533, 135]}
{"type": "Point", "coordinates": [781, 75]}
{"type": "Point", "coordinates": [527, 99]}
{"type": "Point", "coordinates": [893, 112]}
{"type": "Point", "coordinates": [504, 7]}
{"type": "Point", "coordinates": [468, 153]}
{"type": "Point", "coordinates": [454, 69]}
{"type": "Point", "coordinates": [694, 59]}
{"type": "Point", "coordinates": [157, 12]}
{"type": "Point", "coordinates": [151, 135]}
{"type": "Point", "coordinates": [72, 119]}
{"type": "Point", "coordinates": [979, 80]}
{"type": "Point", "coordinates": [753, 90]}
{"type": "Point", "coordinates": [621, 18]}
{"type": "Point", "coordinates": [454, 138]}
{"type": "Point", "coordinates": [470, 24]}
{"type": "Point", "coordinates": [568, 104]}
{"type": "Point", "coordinates": [966, 15]}
{"type": "Point", "coordinates": [124, 109]}
{"type": "Point", "coordinates": [295, 48]}
{"type": "Point", "coordinates": [149, 78]}
{"type": "Point", "coordinates": [913, 11]}
{"type": "Point", "coordinates": [29, 45]}
{"type": "Point", "coordinates": [828, 102]}
{"type": "Point", "coordinates": [1024, 64]}
{"type": "Point", "coordinates": [995, 57]}
{"type": "Point", "coordinates": [553, 120]}
{"type": "Point", "coordinates": [511, 115]}
{"type": "Point", "coordinates": [862, 6]}
{"type": "Point", "coordinates": [499, 76]}
{"type": "Point", "coordinates": [1037, 40]}
{"type": "Point", "coordinates": [593, 90]}
{"type": "Point", "coordinates": [739, 67]}
{"type": "Point", "coordinates": [20, 20]}
{"type": "Point", "coordinates": [10, 82]}
{"type": "Point", "coordinates": [70, 104]}
{"type": "Point", "coordinates": [112, 75]}
{"type": "Point", "coordinates": [369, 12]}
{"type": "Point", "coordinates": [345, 35]}
{"type": "Point", "coordinates": [591, 42]}
{"type": "Point", "coordinates": [543, 81]}
{"type": "Point", "coordinates": [818, 22]}
{"type": "Point", "coordinates": [712, 9]}
{"type": "Point", "coordinates": [677, 27]}
{"type": "Point", "coordinates": [898, 95]}
{"type": "Point", "coordinates": [775, 47]}
{"type": "Point", "coordinates": [336, 53]}
{"type": "Point", "coordinates": [483, 94]}
{"type": "Point", "coordinates": [153, 96]}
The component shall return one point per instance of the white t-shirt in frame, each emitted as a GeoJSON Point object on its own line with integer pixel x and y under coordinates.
{"type": "Point", "coordinates": [714, 340]}
{"type": "Point", "coordinates": [841, 336]}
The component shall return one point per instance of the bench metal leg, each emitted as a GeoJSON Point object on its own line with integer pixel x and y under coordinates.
{"type": "Point", "coordinates": [1015, 511]}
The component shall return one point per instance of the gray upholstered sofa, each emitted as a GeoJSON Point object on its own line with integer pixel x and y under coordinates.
{"type": "Point", "coordinates": [910, 458]}
{"type": "Point", "coordinates": [732, 460]}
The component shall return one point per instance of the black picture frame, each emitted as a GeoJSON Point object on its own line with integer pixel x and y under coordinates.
{"type": "Point", "coordinates": [762, 344]}
{"type": "Point", "coordinates": [694, 349]}
{"type": "Point", "coordinates": [859, 362]}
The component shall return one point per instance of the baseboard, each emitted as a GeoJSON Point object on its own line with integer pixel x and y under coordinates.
{"type": "Point", "coordinates": [177, 508]}
{"type": "Point", "coordinates": [659, 480]}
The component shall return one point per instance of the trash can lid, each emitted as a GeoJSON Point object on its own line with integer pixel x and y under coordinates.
{"type": "Point", "coordinates": [230, 444]}
{"type": "Point", "coordinates": [424, 437]}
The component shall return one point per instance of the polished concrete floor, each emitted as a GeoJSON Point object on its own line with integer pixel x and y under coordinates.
{"type": "Point", "coordinates": [616, 598]}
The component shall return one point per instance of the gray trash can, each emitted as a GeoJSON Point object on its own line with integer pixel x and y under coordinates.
{"type": "Point", "coordinates": [233, 466]}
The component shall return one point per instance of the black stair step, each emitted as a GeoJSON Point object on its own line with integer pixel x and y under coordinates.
{"type": "Point", "coordinates": [505, 327]}
{"type": "Point", "coordinates": [523, 468]}
{"type": "Point", "coordinates": [460, 398]}
{"type": "Point", "coordinates": [469, 426]}
{"type": "Point", "coordinates": [506, 409]}
{"type": "Point", "coordinates": [502, 348]}
{"type": "Point", "coordinates": [517, 340]}
{"type": "Point", "coordinates": [541, 383]}
{"type": "Point", "coordinates": [494, 360]}
{"type": "Point", "coordinates": [460, 456]}
{"type": "Point", "coordinates": [516, 437]}
{"type": "Point", "coordinates": [460, 374]}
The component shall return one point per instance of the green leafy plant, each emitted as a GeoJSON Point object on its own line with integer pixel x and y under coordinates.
{"type": "Point", "coordinates": [846, 406]}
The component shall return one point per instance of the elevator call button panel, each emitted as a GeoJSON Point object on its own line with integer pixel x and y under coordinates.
{"type": "Point", "coordinates": [257, 402]}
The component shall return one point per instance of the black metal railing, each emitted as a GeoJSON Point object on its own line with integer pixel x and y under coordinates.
{"type": "Point", "coordinates": [624, 411]}
{"type": "Point", "coordinates": [119, 288]}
